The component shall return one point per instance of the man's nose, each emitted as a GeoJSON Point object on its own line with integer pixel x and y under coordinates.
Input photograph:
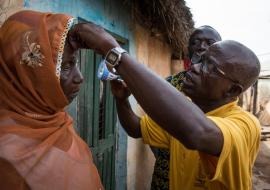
{"type": "Point", "coordinates": [204, 46]}
{"type": "Point", "coordinates": [195, 68]}
{"type": "Point", "coordinates": [78, 77]}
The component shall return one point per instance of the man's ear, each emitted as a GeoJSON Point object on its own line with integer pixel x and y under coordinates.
{"type": "Point", "coordinates": [235, 90]}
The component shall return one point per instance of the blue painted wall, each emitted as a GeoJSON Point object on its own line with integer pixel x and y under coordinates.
{"type": "Point", "coordinates": [111, 14]}
{"type": "Point", "coordinates": [116, 18]}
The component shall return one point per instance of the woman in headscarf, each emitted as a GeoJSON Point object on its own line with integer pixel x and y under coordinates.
{"type": "Point", "coordinates": [39, 148]}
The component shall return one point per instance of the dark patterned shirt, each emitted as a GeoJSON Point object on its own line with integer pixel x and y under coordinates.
{"type": "Point", "coordinates": [160, 178]}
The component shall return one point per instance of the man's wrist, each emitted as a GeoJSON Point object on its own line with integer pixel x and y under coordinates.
{"type": "Point", "coordinates": [108, 48]}
{"type": "Point", "coordinates": [113, 57]}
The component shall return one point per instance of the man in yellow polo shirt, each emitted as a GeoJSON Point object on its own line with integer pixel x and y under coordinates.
{"type": "Point", "coordinates": [195, 166]}
{"type": "Point", "coordinates": [213, 142]}
{"type": "Point", "coordinates": [196, 170]}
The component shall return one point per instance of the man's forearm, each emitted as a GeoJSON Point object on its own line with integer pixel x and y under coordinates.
{"type": "Point", "coordinates": [129, 121]}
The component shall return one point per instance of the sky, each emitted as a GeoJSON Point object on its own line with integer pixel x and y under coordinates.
{"type": "Point", "coordinates": [246, 21]}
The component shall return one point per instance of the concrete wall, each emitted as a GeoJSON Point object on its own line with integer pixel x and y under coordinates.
{"type": "Point", "coordinates": [156, 55]}
{"type": "Point", "coordinates": [152, 52]}
{"type": "Point", "coordinates": [9, 7]}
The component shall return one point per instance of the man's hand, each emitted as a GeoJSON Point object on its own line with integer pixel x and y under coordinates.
{"type": "Point", "coordinates": [119, 90]}
{"type": "Point", "coordinates": [91, 36]}
{"type": "Point", "coordinates": [128, 119]}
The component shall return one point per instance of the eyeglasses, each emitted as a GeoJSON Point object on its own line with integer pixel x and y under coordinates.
{"type": "Point", "coordinates": [210, 68]}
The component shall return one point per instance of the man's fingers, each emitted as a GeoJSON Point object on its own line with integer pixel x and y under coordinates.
{"type": "Point", "coordinates": [91, 36]}
{"type": "Point", "coordinates": [119, 83]}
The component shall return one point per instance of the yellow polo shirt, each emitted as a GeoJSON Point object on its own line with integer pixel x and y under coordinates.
{"type": "Point", "coordinates": [192, 170]}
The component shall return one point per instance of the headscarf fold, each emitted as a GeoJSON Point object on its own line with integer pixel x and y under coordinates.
{"type": "Point", "coordinates": [39, 148]}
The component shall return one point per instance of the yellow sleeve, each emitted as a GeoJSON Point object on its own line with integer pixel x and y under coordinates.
{"type": "Point", "coordinates": [241, 143]}
{"type": "Point", "coordinates": [153, 134]}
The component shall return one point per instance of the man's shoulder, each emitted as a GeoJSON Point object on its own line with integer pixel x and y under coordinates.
{"type": "Point", "coordinates": [243, 116]}
{"type": "Point", "coordinates": [180, 75]}
{"type": "Point", "coordinates": [236, 119]}
{"type": "Point", "coordinates": [241, 124]}
{"type": "Point", "coordinates": [176, 80]}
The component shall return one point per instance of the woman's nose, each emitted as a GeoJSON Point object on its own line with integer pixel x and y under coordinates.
{"type": "Point", "coordinates": [78, 77]}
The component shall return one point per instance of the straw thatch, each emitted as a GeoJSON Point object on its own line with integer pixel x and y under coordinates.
{"type": "Point", "coordinates": [169, 18]}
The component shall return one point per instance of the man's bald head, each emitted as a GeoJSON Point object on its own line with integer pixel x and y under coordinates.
{"type": "Point", "coordinates": [237, 61]}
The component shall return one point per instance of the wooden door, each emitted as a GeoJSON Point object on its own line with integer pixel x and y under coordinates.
{"type": "Point", "coordinates": [96, 118]}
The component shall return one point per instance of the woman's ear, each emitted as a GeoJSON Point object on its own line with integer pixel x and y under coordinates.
{"type": "Point", "coordinates": [235, 90]}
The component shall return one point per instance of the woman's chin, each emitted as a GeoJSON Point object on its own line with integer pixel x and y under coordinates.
{"type": "Point", "coordinates": [72, 97]}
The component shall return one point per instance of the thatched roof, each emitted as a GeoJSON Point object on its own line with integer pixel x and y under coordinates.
{"type": "Point", "coordinates": [170, 18]}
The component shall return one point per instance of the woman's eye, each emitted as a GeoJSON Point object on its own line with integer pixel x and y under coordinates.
{"type": "Point", "coordinates": [66, 66]}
